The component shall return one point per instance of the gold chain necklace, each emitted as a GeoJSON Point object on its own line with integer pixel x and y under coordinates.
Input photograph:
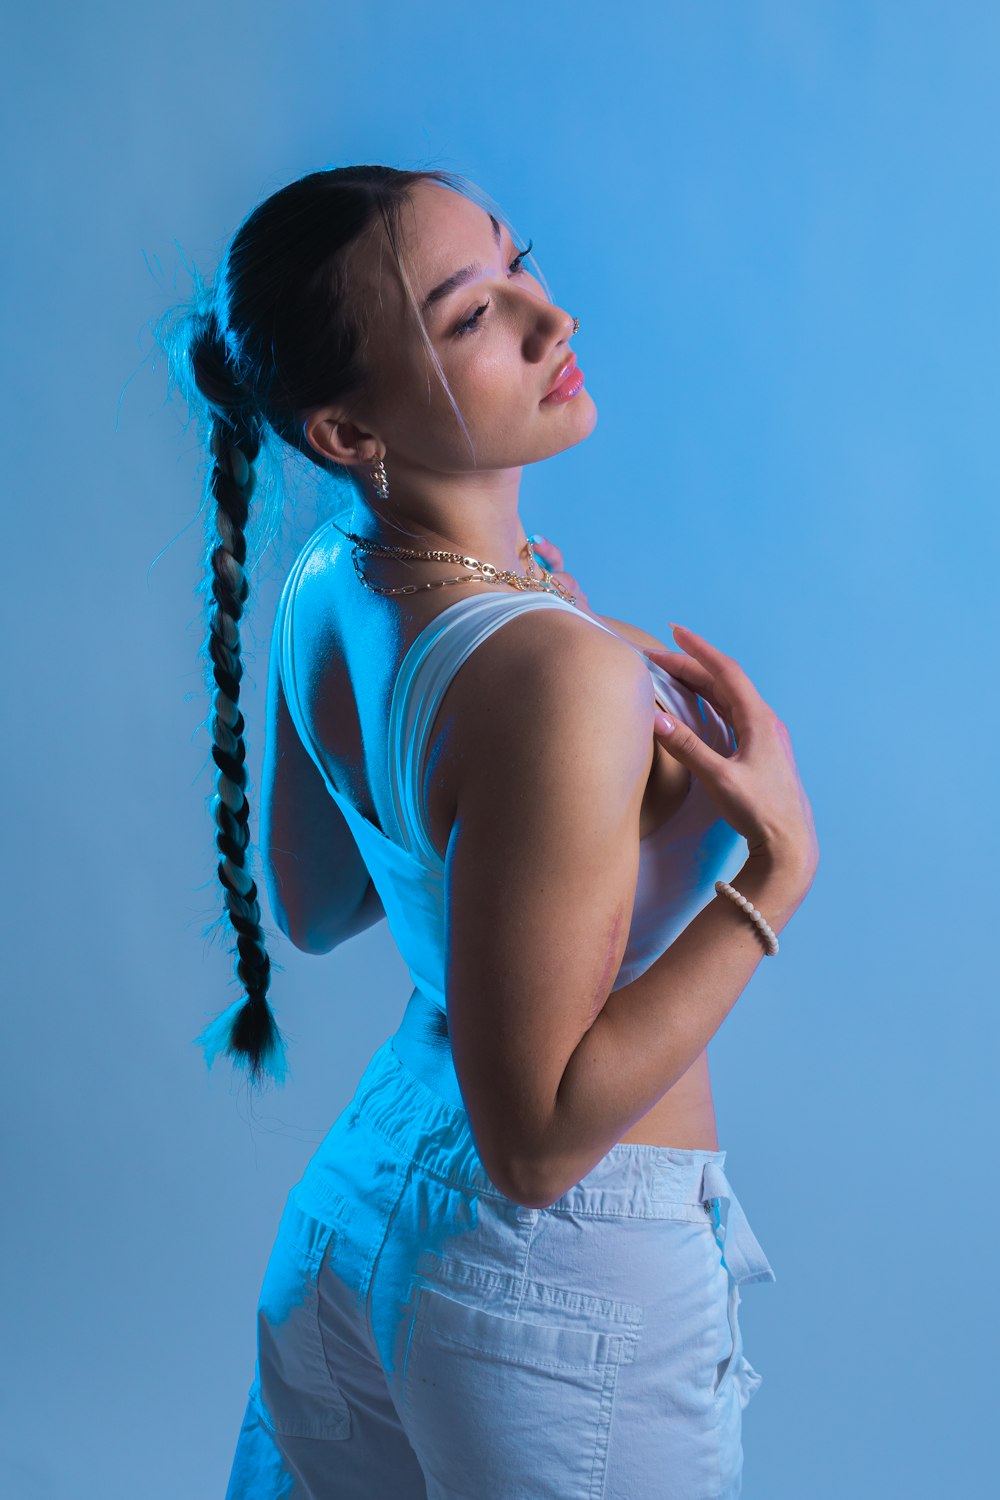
{"type": "Point", "coordinates": [484, 571]}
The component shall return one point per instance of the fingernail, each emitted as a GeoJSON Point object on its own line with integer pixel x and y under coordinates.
{"type": "Point", "coordinates": [663, 724]}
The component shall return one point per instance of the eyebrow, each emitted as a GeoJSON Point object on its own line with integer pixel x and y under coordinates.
{"type": "Point", "coordinates": [458, 278]}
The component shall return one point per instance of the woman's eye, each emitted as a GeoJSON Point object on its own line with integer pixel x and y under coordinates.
{"type": "Point", "coordinates": [516, 262]}
{"type": "Point", "coordinates": [470, 324]}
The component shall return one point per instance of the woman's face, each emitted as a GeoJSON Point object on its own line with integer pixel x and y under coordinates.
{"type": "Point", "coordinates": [500, 341]}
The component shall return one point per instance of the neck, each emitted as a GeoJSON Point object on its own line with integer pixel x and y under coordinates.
{"type": "Point", "coordinates": [475, 514]}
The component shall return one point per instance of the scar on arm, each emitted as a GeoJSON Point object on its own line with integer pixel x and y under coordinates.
{"type": "Point", "coordinates": [613, 949]}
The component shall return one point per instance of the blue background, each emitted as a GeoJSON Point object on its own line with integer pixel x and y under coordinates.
{"type": "Point", "coordinates": [778, 225]}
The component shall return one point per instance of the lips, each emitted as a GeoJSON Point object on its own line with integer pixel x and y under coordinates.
{"type": "Point", "coordinates": [564, 369]}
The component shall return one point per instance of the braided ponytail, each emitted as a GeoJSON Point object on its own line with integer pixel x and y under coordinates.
{"type": "Point", "coordinates": [282, 332]}
{"type": "Point", "coordinates": [246, 1030]}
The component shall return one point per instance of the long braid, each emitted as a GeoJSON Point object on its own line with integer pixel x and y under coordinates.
{"type": "Point", "coordinates": [283, 331]}
{"type": "Point", "coordinates": [246, 1030]}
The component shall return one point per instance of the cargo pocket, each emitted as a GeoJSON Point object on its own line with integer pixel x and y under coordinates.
{"type": "Point", "coordinates": [497, 1406]}
{"type": "Point", "coordinates": [292, 1389]}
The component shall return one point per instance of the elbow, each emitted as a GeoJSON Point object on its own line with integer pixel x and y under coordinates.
{"type": "Point", "coordinates": [537, 1201]}
{"type": "Point", "coordinates": [518, 1160]}
{"type": "Point", "coordinates": [315, 946]}
{"type": "Point", "coordinates": [535, 1195]}
{"type": "Point", "coordinates": [519, 1163]}
{"type": "Point", "coordinates": [526, 1183]}
{"type": "Point", "coordinates": [307, 943]}
{"type": "Point", "coordinates": [314, 940]}
{"type": "Point", "coordinates": [524, 1194]}
{"type": "Point", "coordinates": [327, 929]}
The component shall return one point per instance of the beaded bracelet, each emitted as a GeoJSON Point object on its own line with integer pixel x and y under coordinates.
{"type": "Point", "coordinates": [723, 886]}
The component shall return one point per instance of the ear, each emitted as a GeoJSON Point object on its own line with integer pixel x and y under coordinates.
{"type": "Point", "coordinates": [334, 435]}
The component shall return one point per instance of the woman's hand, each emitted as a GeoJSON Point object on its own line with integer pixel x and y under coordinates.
{"type": "Point", "coordinates": [756, 788]}
{"type": "Point", "coordinates": [552, 562]}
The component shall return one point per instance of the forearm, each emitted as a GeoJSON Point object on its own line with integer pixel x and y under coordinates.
{"type": "Point", "coordinates": [650, 1031]}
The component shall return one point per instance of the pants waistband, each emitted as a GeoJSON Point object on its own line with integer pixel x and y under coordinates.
{"type": "Point", "coordinates": [401, 1097]}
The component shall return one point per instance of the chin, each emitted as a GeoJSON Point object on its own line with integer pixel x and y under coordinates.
{"type": "Point", "coordinates": [579, 435]}
{"type": "Point", "coordinates": [575, 427]}
{"type": "Point", "coordinates": [585, 421]}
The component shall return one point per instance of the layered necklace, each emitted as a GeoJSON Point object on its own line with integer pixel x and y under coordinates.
{"type": "Point", "coordinates": [482, 572]}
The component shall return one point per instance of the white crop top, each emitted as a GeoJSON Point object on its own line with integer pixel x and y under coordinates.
{"type": "Point", "coordinates": [678, 864]}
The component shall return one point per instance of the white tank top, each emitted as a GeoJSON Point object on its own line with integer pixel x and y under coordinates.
{"type": "Point", "coordinates": [678, 864]}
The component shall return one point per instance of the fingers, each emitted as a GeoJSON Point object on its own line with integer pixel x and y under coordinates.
{"type": "Point", "coordinates": [697, 646]}
{"type": "Point", "coordinates": [693, 674]}
{"type": "Point", "coordinates": [681, 666]}
{"type": "Point", "coordinates": [715, 676]}
{"type": "Point", "coordinates": [724, 673]}
{"type": "Point", "coordinates": [687, 747]}
{"type": "Point", "coordinates": [547, 553]}
{"type": "Point", "coordinates": [551, 559]}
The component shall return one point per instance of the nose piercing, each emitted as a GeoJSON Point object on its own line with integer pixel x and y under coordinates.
{"type": "Point", "coordinates": [576, 325]}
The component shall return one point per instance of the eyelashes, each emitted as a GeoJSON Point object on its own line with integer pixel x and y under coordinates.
{"type": "Point", "coordinates": [470, 324]}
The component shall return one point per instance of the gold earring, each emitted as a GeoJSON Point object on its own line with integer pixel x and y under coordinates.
{"type": "Point", "coordinates": [380, 479]}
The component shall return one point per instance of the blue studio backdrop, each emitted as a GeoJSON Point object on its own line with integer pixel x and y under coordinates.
{"type": "Point", "coordinates": [778, 223]}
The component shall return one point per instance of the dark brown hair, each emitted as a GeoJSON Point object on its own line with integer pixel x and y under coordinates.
{"type": "Point", "coordinates": [278, 335]}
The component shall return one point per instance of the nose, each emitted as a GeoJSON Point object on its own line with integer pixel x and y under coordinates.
{"type": "Point", "coordinates": [553, 326]}
{"type": "Point", "coordinates": [568, 324]}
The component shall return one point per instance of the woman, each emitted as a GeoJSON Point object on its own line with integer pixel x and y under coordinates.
{"type": "Point", "coordinates": [513, 1267]}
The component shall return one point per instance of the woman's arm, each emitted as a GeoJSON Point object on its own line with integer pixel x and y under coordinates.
{"type": "Point", "coordinates": [649, 1032]}
{"type": "Point", "coordinates": [553, 734]}
{"type": "Point", "coordinates": [367, 914]}
{"type": "Point", "coordinates": [319, 887]}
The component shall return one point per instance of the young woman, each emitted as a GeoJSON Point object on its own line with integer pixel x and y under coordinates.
{"type": "Point", "coordinates": [513, 1267]}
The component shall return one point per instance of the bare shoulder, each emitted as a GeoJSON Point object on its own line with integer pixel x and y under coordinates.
{"type": "Point", "coordinates": [545, 688]}
{"type": "Point", "coordinates": [558, 659]}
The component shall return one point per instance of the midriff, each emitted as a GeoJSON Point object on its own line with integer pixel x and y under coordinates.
{"type": "Point", "coordinates": [684, 1117]}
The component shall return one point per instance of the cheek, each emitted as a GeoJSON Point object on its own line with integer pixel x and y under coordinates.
{"type": "Point", "coordinates": [492, 390]}
{"type": "Point", "coordinates": [486, 388]}
{"type": "Point", "coordinates": [494, 387]}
